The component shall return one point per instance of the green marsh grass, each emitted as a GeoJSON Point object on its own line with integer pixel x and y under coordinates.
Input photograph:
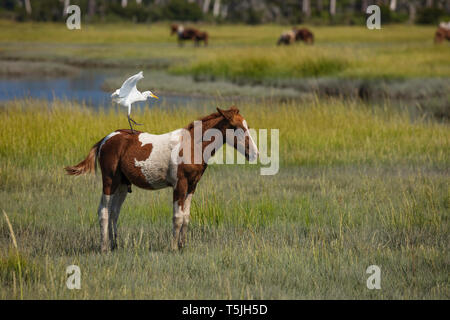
{"type": "Point", "coordinates": [235, 52]}
{"type": "Point", "coordinates": [357, 186]}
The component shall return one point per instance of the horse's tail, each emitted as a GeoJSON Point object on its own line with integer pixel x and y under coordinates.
{"type": "Point", "coordinates": [88, 165]}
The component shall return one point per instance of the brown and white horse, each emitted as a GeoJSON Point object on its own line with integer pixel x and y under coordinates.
{"type": "Point", "coordinates": [291, 36]}
{"type": "Point", "coordinates": [189, 33]}
{"type": "Point", "coordinates": [442, 33]}
{"type": "Point", "coordinates": [147, 161]}
{"type": "Point", "coordinates": [287, 38]}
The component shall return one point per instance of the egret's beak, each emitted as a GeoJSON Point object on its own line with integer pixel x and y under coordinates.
{"type": "Point", "coordinates": [153, 96]}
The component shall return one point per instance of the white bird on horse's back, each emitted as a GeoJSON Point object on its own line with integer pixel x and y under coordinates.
{"type": "Point", "coordinates": [128, 94]}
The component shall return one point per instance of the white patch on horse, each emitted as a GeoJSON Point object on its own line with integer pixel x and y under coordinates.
{"type": "Point", "coordinates": [157, 168]}
{"type": "Point", "coordinates": [253, 147]}
{"type": "Point", "coordinates": [112, 134]}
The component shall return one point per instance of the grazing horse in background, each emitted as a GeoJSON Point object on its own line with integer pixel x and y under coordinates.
{"type": "Point", "coordinates": [201, 36]}
{"type": "Point", "coordinates": [188, 33]}
{"type": "Point", "coordinates": [442, 33]}
{"type": "Point", "coordinates": [304, 34]}
{"type": "Point", "coordinates": [287, 38]}
{"type": "Point", "coordinates": [291, 36]}
{"type": "Point", "coordinates": [151, 162]}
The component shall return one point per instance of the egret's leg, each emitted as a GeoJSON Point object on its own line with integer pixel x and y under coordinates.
{"type": "Point", "coordinates": [138, 124]}
{"type": "Point", "coordinates": [129, 122]}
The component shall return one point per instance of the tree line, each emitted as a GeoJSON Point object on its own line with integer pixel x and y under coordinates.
{"type": "Point", "coordinates": [233, 11]}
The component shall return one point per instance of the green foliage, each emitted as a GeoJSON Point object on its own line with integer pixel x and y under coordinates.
{"type": "Point", "coordinates": [430, 15]}
{"type": "Point", "coordinates": [182, 10]}
{"type": "Point", "coordinates": [132, 12]}
{"type": "Point", "coordinates": [45, 10]}
{"type": "Point", "coordinates": [259, 67]}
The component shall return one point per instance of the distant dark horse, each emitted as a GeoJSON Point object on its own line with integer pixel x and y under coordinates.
{"type": "Point", "coordinates": [189, 34]}
{"type": "Point", "coordinates": [442, 33]}
{"type": "Point", "coordinates": [304, 34]}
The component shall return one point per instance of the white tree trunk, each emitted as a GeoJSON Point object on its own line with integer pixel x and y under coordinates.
{"type": "Point", "coordinates": [332, 7]}
{"type": "Point", "coordinates": [429, 3]}
{"type": "Point", "coordinates": [206, 6]}
{"type": "Point", "coordinates": [139, 2]}
{"type": "Point", "coordinates": [27, 6]}
{"type": "Point", "coordinates": [412, 11]}
{"type": "Point", "coordinates": [224, 12]}
{"type": "Point", "coordinates": [216, 8]}
{"type": "Point", "coordinates": [306, 7]}
{"type": "Point", "coordinates": [124, 3]}
{"type": "Point", "coordinates": [66, 4]}
{"type": "Point", "coordinates": [393, 5]}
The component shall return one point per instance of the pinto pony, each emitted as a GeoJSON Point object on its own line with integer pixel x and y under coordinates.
{"type": "Point", "coordinates": [294, 35]}
{"type": "Point", "coordinates": [442, 33]}
{"type": "Point", "coordinates": [152, 162]}
{"type": "Point", "coordinates": [286, 38]}
{"type": "Point", "coordinates": [189, 33]}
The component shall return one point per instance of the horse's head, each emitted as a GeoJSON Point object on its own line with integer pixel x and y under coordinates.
{"type": "Point", "coordinates": [241, 140]}
{"type": "Point", "coordinates": [173, 28]}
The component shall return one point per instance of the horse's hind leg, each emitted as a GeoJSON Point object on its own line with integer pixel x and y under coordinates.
{"type": "Point", "coordinates": [111, 183]}
{"type": "Point", "coordinates": [104, 211]}
{"type": "Point", "coordinates": [117, 201]}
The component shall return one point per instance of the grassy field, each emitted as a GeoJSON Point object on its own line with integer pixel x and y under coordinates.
{"type": "Point", "coordinates": [245, 53]}
{"type": "Point", "coordinates": [360, 183]}
{"type": "Point", "coordinates": [357, 186]}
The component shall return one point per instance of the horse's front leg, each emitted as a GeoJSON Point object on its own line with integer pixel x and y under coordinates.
{"type": "Point", "coordinates": [179, 199]}
{"type": "Point", "coordinates": [186, 219]}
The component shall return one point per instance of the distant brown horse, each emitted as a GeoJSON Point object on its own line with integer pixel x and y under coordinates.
{"type": "Point", "coordinates": [442, 33]}
{"type": "Point", "coordinates": [152, 162]}
{"type": "Point", "coordinates": [304, 34]}
{"type": "Point", "coordinates": [189, 33]}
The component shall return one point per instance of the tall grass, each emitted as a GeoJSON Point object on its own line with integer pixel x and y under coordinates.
{"type": "Point", "coordinates": [254, 64]}
{"type": "Point", "coordinates": [321, 132]}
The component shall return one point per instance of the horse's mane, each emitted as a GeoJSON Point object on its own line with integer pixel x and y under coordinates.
{"type": "Point", "coordinates": [211, 116]}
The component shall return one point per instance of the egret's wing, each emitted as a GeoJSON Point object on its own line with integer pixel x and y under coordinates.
{"type": "Point", "coordinates": [130, 85]}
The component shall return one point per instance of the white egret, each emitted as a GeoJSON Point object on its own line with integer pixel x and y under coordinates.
{"type": "Point", "coordinates": [128, 94]}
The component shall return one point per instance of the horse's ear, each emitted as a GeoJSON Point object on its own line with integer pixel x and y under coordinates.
{"type": "Point", "coordinates": [234, 109]}
{"type": "Point", "coordinates": [227, 114]}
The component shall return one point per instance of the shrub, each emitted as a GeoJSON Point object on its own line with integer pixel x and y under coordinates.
{"type": "Point", "coordinates": [429, 15]}
{"type": "Point", "coordinates": [182, 10]}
